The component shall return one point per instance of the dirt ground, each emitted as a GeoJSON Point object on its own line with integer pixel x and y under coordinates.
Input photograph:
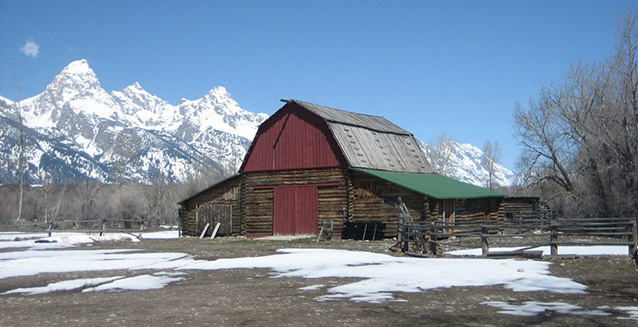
{"type": "Point", "coordinates": [250, 298]}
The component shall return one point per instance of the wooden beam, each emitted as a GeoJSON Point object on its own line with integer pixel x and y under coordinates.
{"type": "Point", "coordinates": [204, 231]}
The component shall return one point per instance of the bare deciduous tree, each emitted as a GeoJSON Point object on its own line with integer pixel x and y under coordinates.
{"type": "Point", "coordinates": [439, 154]}
{"type": "Point", "coordinates": [18, 110]}
{"type": "Point", "coordinates": [580, 137]}
{"type": "Point", "coordinates": [491, 156]}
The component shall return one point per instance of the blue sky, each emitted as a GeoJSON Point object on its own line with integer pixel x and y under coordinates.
{"type": "Point", "coordinates": [431, 67]}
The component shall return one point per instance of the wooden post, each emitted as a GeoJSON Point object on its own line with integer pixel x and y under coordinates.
{"type": "Point", "coordinates": [400, 231]}
{"type": "Point", "coordinates": [50, 228]}
{"type": "Point", "coordinates": [365, 230]}
{"type": "Point", "coordinates": [632, 238]}
{"type": "Point", "coordinates": [141, 229]}
{"type": "Point", "coordinates": [331, 229]}
{"type": "Point", "coordinates": [204, 231]}
{"type": "Point", "coordinates": [103, 228]}
{"type": "Point", "coordinates": [485, 248]}
{"type": "Point", "coordinates": [405, 238]}
{"type": "Point", "coordinates": [320, 234]}
{"type": "Point", "coordinates": [374, 233]}
{"type": "Point", "coordinates": [553, 238]}
{"type": "Point", "coordinates": [432, 239]}
{"type": "Point", "coordinates": [212, 236]}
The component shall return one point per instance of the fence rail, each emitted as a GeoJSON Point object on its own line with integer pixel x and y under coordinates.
{"type": "Point", "coordinates": [427, 236]}
{"type": "Point", "coordinates": [101, 226]}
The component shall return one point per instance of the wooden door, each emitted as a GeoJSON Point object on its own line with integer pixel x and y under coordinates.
{"type": "Point", "coordinates": [213, 214]}
{"type": "Point", "coordinates": [296, 210]}
{"type": "Point", "coordinates": [448, 211]}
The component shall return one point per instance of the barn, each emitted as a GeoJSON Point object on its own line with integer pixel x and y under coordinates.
{"type": "Point", "coordinates": [309, 164]}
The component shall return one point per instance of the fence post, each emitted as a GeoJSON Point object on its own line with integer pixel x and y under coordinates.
{"type": "Point", "coordinates": [331, 229]}
{"type": "Point", "coordinates": [433, 239]}
{"type": "Point", "coordinates": [103, 228]}
{"type": "Point", "coordinates": [553, 238]}
{"type": "Point", "coordinates": [485, 248]}
{"type": "Point", "coordinates": [50, 228]}
{"type": "Point", "coordinates": [141, 229]}
{"type": "Point", "coordinates": [632, 238]}
{"type": "Point", "coordinates": [405, 238]}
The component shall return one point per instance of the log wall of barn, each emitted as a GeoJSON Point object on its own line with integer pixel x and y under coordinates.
{"type": "Point", "coordinates": [521, 207]}
{"type": "Point", "coordinates": [225, 193]}
{"type": "Point", "coordinates": [375, 200]}
{"type": "Point", "coordinates": [476, 210]}
{"type": "Point", "coordinates": [467, 210]}
{"type": "Point", "coordinates": [258, 197]}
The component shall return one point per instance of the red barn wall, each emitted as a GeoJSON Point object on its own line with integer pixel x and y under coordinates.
{"type": "Point", "coordinates": [293, 138]}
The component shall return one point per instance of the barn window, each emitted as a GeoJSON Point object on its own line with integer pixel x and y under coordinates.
{"type": "Point", "coordinates": [389, 202]}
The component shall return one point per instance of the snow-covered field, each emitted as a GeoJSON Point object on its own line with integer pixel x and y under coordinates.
{"type": "Point", "coordinates": [376, 278]}
{"type": "Point", "coordinates": [594, 250]}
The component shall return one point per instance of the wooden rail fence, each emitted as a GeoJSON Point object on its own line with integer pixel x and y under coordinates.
{"type": "Point", "coordinates": [101, 226]}
{"type": "Point", "coordinates": [427, 236]}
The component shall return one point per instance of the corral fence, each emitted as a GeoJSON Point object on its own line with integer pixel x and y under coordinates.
{"type": "Point", "coordinates": [133, 227]}
{"type": "Point", "coordinates": [429, 236]}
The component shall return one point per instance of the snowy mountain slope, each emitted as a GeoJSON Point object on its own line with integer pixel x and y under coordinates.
{"type": "Point", "coordinates": [129, 134]}
{"type": "Point", "coordinates": [465, 162]}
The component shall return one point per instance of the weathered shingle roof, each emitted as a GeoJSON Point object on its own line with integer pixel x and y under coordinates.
{"type": "Point", "coordinates": [371, 141]}
{"type": "Point", "coordinates": [339, 116]}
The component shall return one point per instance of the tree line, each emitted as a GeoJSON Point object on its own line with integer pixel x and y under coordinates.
{"type": "Point", "coordinates": [580, 135]}
{"type": "Point", "coordinates": [156, 204]}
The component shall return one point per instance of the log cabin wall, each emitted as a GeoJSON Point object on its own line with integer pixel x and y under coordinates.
{"type": "Point", "coordinates": [227, 193]}
{"type": "Point", "coordinates": [467, 210]}
{"type": "Point", "coordinates": [521, 207]}
{"type": "Point", "coordinates": [477, 210]}
{"type": "Point", "coordinates": [258, 197]}
{"type": "Point", "coordinates": [375, 200]}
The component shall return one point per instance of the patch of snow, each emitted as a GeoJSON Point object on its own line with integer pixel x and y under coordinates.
{"type": "Point", "coordinates": [33, 262]}
{"type": "Point", "coordinates": [594, 250]}
{"type": "Point", "coordinates": [67, 285]}
{"type": "Point", "coordinates": [58, 240]}
{"type": "Point", "coordinates": [163, 235]}
{"type": "Point", "coordinates": [383, 275]}
{"type": "Point", "coordinates": [632, 311]}
{"type": "Point", "coordinates": [17, 236]}
{"type": "Point", "coordinates": [533, 308]}
{"type": "Point", "coordinates": [136, 283]}
{"type": "Point", "coordinates": [312, 287]}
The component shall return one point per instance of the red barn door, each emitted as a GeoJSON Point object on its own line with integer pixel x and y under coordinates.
{"type": "Point", "coordinates": [296, 210]}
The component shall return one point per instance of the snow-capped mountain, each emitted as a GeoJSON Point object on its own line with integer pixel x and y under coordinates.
{"type": "Point", "coordinates": [465, 162]}
{"type": "Point", "coordinates": [75, 130]}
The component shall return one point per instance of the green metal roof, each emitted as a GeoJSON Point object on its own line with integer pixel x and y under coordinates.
{"type": "Point", "coordinates": [432, 185]}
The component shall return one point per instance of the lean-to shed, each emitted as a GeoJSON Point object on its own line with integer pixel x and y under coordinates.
{"type": "Point", "coordinates": [309, 163]}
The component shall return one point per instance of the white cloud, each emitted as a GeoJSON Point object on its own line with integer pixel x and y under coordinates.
{"type": "Point", "coordinates": [30, 49]}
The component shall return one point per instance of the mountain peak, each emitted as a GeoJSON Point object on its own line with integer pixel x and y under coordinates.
{"type": "Point", "coordinates": [135, 87]}
{"type": "Point", "coordinates": [78, 67]}
{"type": "Point", "coordinates": [218, 90]}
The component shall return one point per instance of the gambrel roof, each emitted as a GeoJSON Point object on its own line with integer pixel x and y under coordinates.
{"type": "Point", "coordinates": [371, 142]}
